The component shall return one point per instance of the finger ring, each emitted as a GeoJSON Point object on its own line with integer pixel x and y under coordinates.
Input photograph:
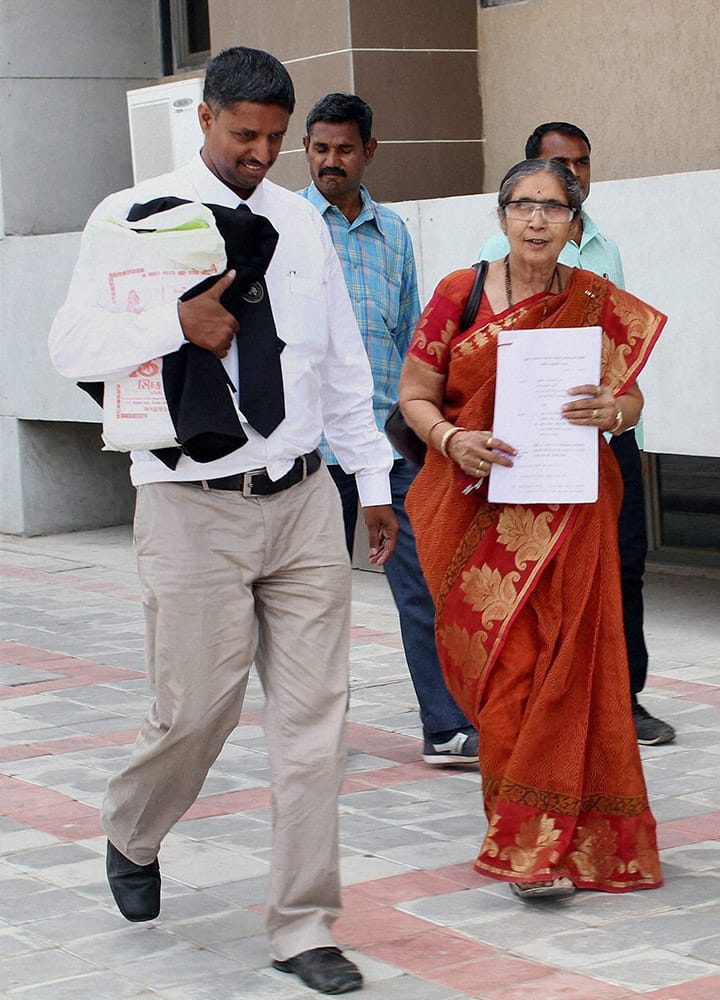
{"type": "Point", "coordinates": [594, 415]}
{"type": "Point", "coordinates": [488, 443]}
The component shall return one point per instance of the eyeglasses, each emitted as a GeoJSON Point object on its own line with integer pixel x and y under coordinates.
{"type": "Point", "coordinates": [551, 211]}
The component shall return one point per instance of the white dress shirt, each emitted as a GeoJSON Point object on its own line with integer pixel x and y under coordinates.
{"type": "Point", "coordinates": [327, 380]}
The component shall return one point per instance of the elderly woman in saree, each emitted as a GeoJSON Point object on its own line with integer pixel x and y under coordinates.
{"type": "Point", "coordinates": [528, 607]}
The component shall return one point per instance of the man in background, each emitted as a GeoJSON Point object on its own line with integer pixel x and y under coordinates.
{"type": "Point", "coordinates": [592, 250]}
{"type": "Point", "coordinates": [376, 254]}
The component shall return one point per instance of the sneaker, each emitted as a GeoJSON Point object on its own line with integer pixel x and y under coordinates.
{"type": "Point", "coordinates": [650, 730]}
{"type": "Point", "coordinates": [462, 748]}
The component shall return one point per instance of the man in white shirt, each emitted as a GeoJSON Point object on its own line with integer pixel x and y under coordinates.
{"type": "Point", "coordinates": [242, 557]}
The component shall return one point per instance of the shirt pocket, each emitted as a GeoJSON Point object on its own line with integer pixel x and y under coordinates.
{"type": "Point", "coordinates": [386, 292]}
{"type": "Point", "coordinates": [303, 287]}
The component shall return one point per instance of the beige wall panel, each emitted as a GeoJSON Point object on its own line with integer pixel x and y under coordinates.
{"type": "Point", "coordinates": [408, 171]}
{"type": "Point", "coordinates": [288, 28]}
{"type": "Point", "coordinates": [313, 78]}
{"type": "Point", "coordinates": [421, 95]}
{"type": "Point", "coordinates": [403, 172]}
{"type": "Point", "coordinates": [640, 78]}
{"type": "Point", "coordinates": [413, 24]}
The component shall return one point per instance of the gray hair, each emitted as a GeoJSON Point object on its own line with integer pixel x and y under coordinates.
{"type": "Point", "coordinates": [527, 168]}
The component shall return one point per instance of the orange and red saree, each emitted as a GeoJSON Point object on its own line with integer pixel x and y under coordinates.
{"type": "Point", "coordinates": [529, 616]}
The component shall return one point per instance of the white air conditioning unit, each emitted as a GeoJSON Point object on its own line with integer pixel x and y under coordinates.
{"type": "Point", "coordinates": [164, 127]}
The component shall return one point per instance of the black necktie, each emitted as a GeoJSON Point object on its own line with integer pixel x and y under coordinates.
{"type": "Point", "coordinates": [250, 242]}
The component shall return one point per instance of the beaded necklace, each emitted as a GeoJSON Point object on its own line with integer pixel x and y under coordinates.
{"type": "Point", "coordinates": [554, 277]}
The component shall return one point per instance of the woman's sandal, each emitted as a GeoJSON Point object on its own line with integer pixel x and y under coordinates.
{"type": "Point", "coordinates": [559, 888]}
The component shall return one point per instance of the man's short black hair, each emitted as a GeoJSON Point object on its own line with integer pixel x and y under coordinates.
{"type": "Point", "coordinates": [244, 74]}
{"type": "Point", "coordinates": [342, 108]}
{"type": "Point", "coordinates": [532, 146]}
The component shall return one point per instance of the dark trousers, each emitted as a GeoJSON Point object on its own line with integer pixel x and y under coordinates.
{"type": "Point", "coordinates": [439, 714]}
{"type": "Point", "coordinates": [632, 541]}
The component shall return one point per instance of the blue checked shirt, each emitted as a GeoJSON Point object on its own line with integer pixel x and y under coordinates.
{"type": "Point", "coordinates": [377, 259]}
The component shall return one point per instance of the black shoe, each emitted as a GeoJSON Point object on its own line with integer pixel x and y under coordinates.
{"type": "Point", "coordinates": [650, 730]}
{"type": "Point", "coordinates": [323, 969]}
{"type": "Point", "coordinates": [135, 888]}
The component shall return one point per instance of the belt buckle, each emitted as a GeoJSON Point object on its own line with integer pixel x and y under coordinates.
{"type": "Point", "coordinates": [247, 484]}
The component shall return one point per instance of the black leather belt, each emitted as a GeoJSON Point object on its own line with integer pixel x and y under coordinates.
{"type": "Point", "coordinates": [257, 483]}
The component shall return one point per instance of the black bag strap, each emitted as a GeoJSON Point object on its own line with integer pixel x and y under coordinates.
{"type": "Point", "coordinates": [473, 303]}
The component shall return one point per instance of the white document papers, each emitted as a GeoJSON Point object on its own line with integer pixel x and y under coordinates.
{"type": "Point", "coordinates": [556, 461]}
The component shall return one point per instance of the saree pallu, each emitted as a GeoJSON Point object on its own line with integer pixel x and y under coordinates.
{"type": "Point", "coordinates": [529, 613]}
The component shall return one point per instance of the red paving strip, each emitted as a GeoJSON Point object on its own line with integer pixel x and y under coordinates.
{"type": "Point", "coordinates": [693, 830]}
{"type": "Point", "coordinates": [464, 875]}
{"type": "Point", "coordinates": [487, 975]}
{"type": "Point", "coordinates": [71, 581]}
{"type": "Point", "coordinates": [703, 694]}
{"type": "Point", "coordinates": [388, 777]}
{"type": "Point", "coordinates": [67, 744]}
{"type": "Point", "coordinates": [47, 810]}
{"type": "Point", "coordinates": [375, 924]}
{"type": "Point", "coordinates": [699, 989]}
{"type": "Point", "coordinates": [569, 986]}
{"type": "Point", "coordinates": [74, 671]}
{"type": "Point", "coordinates": [435, 950]}
{"type": "Point", "coordinates": [229, 803]}
{"type": "Point", "coordinates": [411, 885]}
{"type": "Point", "coordinates": [379, 743]}
{"type": "Point", "coordinates": [371, 925]}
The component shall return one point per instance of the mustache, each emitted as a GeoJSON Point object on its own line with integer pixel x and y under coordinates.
{"type": "Point", "coordinates": [333, 172]}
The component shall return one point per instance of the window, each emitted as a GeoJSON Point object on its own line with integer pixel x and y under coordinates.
{"type": "Point", "coordinates": [185, 34]}
{"type": "Point", "coordinates": [686, 492]}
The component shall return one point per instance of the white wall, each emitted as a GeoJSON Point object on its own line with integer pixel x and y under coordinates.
{"type": "Point", "coordinates": [667, 229]}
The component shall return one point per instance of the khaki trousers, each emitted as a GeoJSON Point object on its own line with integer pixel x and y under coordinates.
{"type": "Point", "coordinates": [229, 580]}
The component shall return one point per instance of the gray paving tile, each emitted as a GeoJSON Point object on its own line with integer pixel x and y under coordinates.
{"type": "Point", "coordinates": [15, 676]}
{"type": "Point", "coordinates": [651, 969]}
{"type": "Point", "coordinates": [95, 986]}
{"type": "Point", "coordinates": [668, 810]}
{"type": "Point", "coordinates": [20, 941]}
{"type": "Point", "coordinates": [388, 832]}
{"type": "Point", "coordinates": [246, 892]}
{"type": "Point", "coordinates": [72, 926]}
{"type": "Point", "coordinates": [706, 950]}
{"type": "Point", "coordinates": [48, 857]}
{"type": "Point", "coordinates": [247, 983]}
{"type": "Point", "coordinates": [703, 856]}
{"type": "Point", "coordinates": [44, 903]}
{"type": "Point", "coordinates": [40, 967]}
{"type": "Point", "coordinates": [182, 965]}
{"type": "Point", "coordinates": [125, 946]}
{"type": "Point", "coordinates": [232, 925]}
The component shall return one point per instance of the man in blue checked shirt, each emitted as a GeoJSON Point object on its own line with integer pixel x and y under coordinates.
{"type": "Point", "coordinates": [376, 254]}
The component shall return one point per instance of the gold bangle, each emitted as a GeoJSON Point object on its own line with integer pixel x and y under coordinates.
{"type": "Point", "coordinates": [436, 424]}
{"type": "Point", "coordinates": [445, 439]}
{"type": "Point", "coordinates": [618, 422]}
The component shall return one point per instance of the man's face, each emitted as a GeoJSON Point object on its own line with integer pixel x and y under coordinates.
{"type": "Point", "coordinates": [337, 158]}
{"type": "Point", "coordinates": [242, 141]}
{"type": "Point", "coordinates": [572, 152]}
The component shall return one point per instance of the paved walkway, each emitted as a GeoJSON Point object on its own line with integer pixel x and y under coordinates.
{"type": "Point", "coordinates": [418, 920]}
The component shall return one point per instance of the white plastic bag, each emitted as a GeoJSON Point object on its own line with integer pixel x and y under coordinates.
{"type": "Point", "coordinates": [155, 261]}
